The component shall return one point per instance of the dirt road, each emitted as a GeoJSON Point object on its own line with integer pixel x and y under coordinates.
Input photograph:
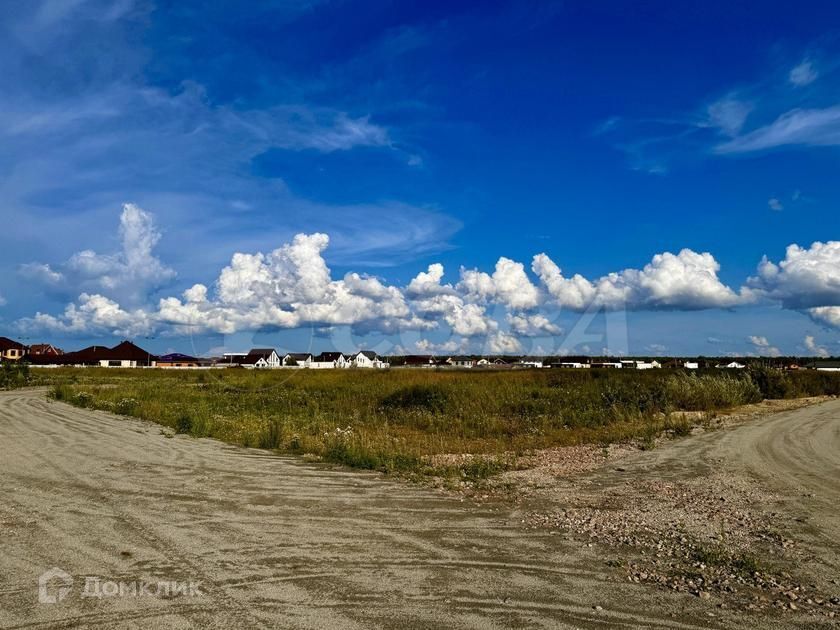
{"type": "Point", "coordinates": [275, 542]}
{"type": "Point", "coordinates": [794, 455]}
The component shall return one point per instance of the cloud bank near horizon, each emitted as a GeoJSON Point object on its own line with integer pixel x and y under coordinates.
{"type": "Point", "coordinates": [292, 286]}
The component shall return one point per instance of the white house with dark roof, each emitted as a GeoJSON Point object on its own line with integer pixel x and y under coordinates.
{"type": "Point", "coordinates": [262, 358]}
{"type": "Point", "coordinates": [329, 360]}
{"type": "Point", "coordinates": [367, 359]}
{"type": "Point", "coordinates": [297, 359]}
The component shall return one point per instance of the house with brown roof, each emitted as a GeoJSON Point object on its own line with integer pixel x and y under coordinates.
{"type": "Point", "coordinates": [126, 354]}
{"type": "Point", "coordinates": [44, 350]}
{"type": "Point", "coordinates": [90, 356]}
{"type": "Point", "coordinates": [123, 355]}
{"type": "Point", "coordinates": [11, 350]}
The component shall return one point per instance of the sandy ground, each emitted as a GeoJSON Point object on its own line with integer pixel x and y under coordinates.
{"type": "Point", "coordinates": [760, 486]}
{"type": "Point", "coordinates": [275, 542]}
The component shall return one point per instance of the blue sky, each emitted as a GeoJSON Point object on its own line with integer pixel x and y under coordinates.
{"type": "Point", "coordinates": [146, 143]}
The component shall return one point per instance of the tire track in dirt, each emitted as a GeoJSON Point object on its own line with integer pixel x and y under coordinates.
{"type": "Point", "coordinates": [276, 542]}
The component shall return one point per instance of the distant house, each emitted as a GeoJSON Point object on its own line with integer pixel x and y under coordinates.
{"type": "Point", "coordinates": [123, 355]}
{"type": "Point", "coordinates": [11, 350]}
{"type": "Point", "coordinates": [691, 365]}
{"type": "Point", "coordinates": [461, 362]}
{"type": "Point", "coordinates": [636, 364]}
{"type": "Point", "coordinates": [529, 363]}
{"type": "Point", "coordinates": [90, 356]}
{"type": "Point", "coordinates": [329, 360]}
{"type": "Point", "coordinates": [297, 359]}
{"type": "Point", "coordinates": [607, 364]}
{"type": "Point", "coordinates": [572, 365]}
{"type": "Point", "coordinates": [734, 365]}
{"type": "Point", "coordinates": [178, 360]}
{"type": "Point", "coordinates": [44, 350]}
{"type": "Point", "coordinates": [262, 358]}
{"type": "Point", "coordinates": [419, 360]}
{"type": "Point", "coordinates": [500, 361]}
{"type": "Point", "coordinates": [231, 359]}
{"type": "Point", "coordinates": [825, 366]}
{"type": "Point", "coordinates": [482, 362]}
{"type": "Point", "coordinates": [126, 354]}
{"type": "Point", "coordinates": [367, 359]}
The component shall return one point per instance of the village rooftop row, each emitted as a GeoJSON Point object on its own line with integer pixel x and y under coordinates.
{"type": "Point", "coordinates": [129, 355]}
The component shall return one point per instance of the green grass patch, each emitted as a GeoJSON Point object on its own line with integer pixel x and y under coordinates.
{"type": "Point", "coordinates": [397, 420]}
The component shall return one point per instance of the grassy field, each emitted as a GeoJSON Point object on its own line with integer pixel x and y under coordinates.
{"type": "Point", "coordinates": [396, 421]}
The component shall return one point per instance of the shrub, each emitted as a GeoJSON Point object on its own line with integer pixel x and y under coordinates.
{"type": "Point", "coordinates": [126, 406]}
{"type": "Point", "coordinates": [14, 375]}
{"type": "Point", "coordinates": [772, 383]}
{"type": "Point", "coordinates": [272, 435]}
{"type": "Point", "coordinates": [184, 423]}
{"type": "Point", "coordinates": [690, 392]}
{"type": "Point", "coordinates": [83, 399]}
{"type": "Point", "coordinates": [431, 398]}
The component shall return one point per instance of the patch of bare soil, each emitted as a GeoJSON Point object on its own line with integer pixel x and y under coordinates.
{"type": "Point", "coordinates": [710, 537]}
{"type": "Point", "coordinates": [694, 515]}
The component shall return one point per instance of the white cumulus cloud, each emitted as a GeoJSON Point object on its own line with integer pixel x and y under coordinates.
{"type": "Point", "coordinates": [94, 314]}
{"type": "Point", "coordinates": [287, 288]}
{"type": "Point", "coordinates": [447, 347]}
{"type": "Point", "coordinates": [829, 315]}
{"type": "Point", "coordinates": [293, 286]}
{"type": "Point", "coordinates": [534, 325]}
{"type": "Point", "coordinates": [503, 343]}
{"type": "Point", "coordinates": [814, 348]}
{"type": "Point", "coordinates": [804, 278]}
{"type": "Point", "coordinates": [427, 283]}
{"type": "Point", "coordinates": [509, 285]}
{"type": "Point", "coordinates": [128, 275]}
{"type": "Point", "coordinates": [763, 347]}
{"type": "Point", "coordinates": [684, 281]}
